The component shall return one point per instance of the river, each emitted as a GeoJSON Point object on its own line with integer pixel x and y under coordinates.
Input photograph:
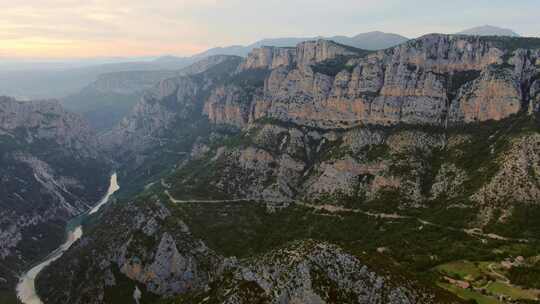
{"type": "Point", "coordinates": [26, 291]}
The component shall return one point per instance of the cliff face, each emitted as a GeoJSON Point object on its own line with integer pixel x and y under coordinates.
{"type": "Point", "coordinates": [420, 82]}
{"type": "Point", "coordinates": [50, 171]}
{"type": "Point", "coordinates": [107, 100]}
{"type": "Point", "coordinates": [169, 101]}
{"type": "Point", "coordinates": [435, 80]}
{"type": "Point", "coordinates": [47, 121]}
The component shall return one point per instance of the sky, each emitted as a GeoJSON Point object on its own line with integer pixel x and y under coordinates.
{"type": "Point", "coordinates": [128, 28]}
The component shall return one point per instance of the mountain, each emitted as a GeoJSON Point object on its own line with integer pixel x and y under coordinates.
{"type": "Point", "coordinates": [51, 171]}
{"type": "Point", "coordinates": [369, 41]}
{"type": "Point", "coordinates": [324, 173]}
{"type": "Point", "coordinates": [488, 30]}
{"type": "Point", "coordinates": [107, 100]}
{"type": "Point", "coordinates": [60, 79]}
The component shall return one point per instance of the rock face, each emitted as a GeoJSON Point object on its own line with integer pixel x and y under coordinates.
{"type": "Point", "coordinates": [311, 272]}
{"type": "Point", "coordinates": [50, 170]}
{"type": "Point", "coordinates": [419, 82]}
{"type": "Point", "coordinates": [165, 259]}
{"type": "Point", "coordinates": [47, 121]}
{"type": "Point", "coordinates": [167, 102]}
{"type": "Point", "coordinates": [434, 80]}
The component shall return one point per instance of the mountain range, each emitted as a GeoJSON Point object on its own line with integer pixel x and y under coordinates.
{"type": "Point", "coordinates": [114, 103]}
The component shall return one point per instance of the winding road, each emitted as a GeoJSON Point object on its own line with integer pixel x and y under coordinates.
{"type": "Point", "coordinates": [475, 232]}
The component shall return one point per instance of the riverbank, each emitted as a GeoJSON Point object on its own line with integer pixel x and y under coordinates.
{"type": "Point", "coordinates": [26, 291]}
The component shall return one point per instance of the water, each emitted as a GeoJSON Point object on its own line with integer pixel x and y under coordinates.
{"type": "Point", "coordinates": [26, 289]}
{"type": "Point", "coordinates": [113, 187]}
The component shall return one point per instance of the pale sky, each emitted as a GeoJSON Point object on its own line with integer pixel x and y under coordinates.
{"type": "Point", "coordinates": [95, 28]}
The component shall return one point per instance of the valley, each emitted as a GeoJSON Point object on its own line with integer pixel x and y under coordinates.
{"type": "Point", "coordinates": [26, 292]}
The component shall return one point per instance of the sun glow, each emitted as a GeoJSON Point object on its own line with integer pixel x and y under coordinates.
{"type": "Point", "coordinates": [63, 48]}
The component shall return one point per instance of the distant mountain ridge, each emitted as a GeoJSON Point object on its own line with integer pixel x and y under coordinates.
{"type": "Point", "coordinates": [375, 40]}
{"type": "Point", "coordinates": [489, 30]}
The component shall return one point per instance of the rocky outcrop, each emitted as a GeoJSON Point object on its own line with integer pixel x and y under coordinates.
{"type": "Point", "coordinates": [128, 82]}
{"type": "Point", "coordinates": [174, 100]}
{"type": "Point", "coordinates": [228, 106]}
{"type": "Point", "coordinates": [518, 178]}
{"type": "Point", "coordinates": [145, 126]}
{"type": "Point", "coordinates": [107, 100]}
{"type": "Point", "coordinates": [493, 96]}
{"type": "Point", "coordinates": [47, 121]}
{"type": "Point", "coordinates": [322, 124]}
{"type": "Point", "coordinates": [269, 58]}
{"type": "Point", "coordinates": [313, 272]}
{"type": "Point", "coordinates": [150, 249]}
{"type": "Point", "coordinates": [312, 52]}
{"type": "Point", "coordinates": [162, 259]}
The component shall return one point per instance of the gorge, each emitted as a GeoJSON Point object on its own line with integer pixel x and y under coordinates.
{"type": "Point", "coordinates": [320, 173]}
{"type": "Point", "coordinates": [26, 288]}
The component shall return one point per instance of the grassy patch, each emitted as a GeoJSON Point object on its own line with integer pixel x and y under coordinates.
{"type": "Point", "coordinates": [462, 270]}
{"type": "Point", "coordinates": [500, 288]}
{"type": "Point", "coordinates": [471, 295]}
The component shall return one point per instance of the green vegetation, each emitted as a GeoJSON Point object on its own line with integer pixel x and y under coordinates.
{"type": "Point", "coordinates": [513, 43]}
{"type": "Point", "coordinates": [458, 79]}
{"type": "Point", "coordinates": [462, 270]}
{"type": "Point", "coordinates": [487, 281]}
{"type": "Point", "coordinates": [510, 291]}
{"type": "Point", "coordinates": [8, 297]}
{"type": "Point", "coordinates": [194, 181]}
{"type": "Point", "coordinates": [253, 78]}
{"type": "Point", "coordinates": [332, 67]}
{"type": "Point", "coordinates": [330, 291]}
{"type": "Point", "coordinates": [526, 276]}
{"type": "Point", "coordinates": [468, 294]}
{"type": "Point", "coordinates": [244, 230]}
{"type": "Point", "coordinates": [523, 222]}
